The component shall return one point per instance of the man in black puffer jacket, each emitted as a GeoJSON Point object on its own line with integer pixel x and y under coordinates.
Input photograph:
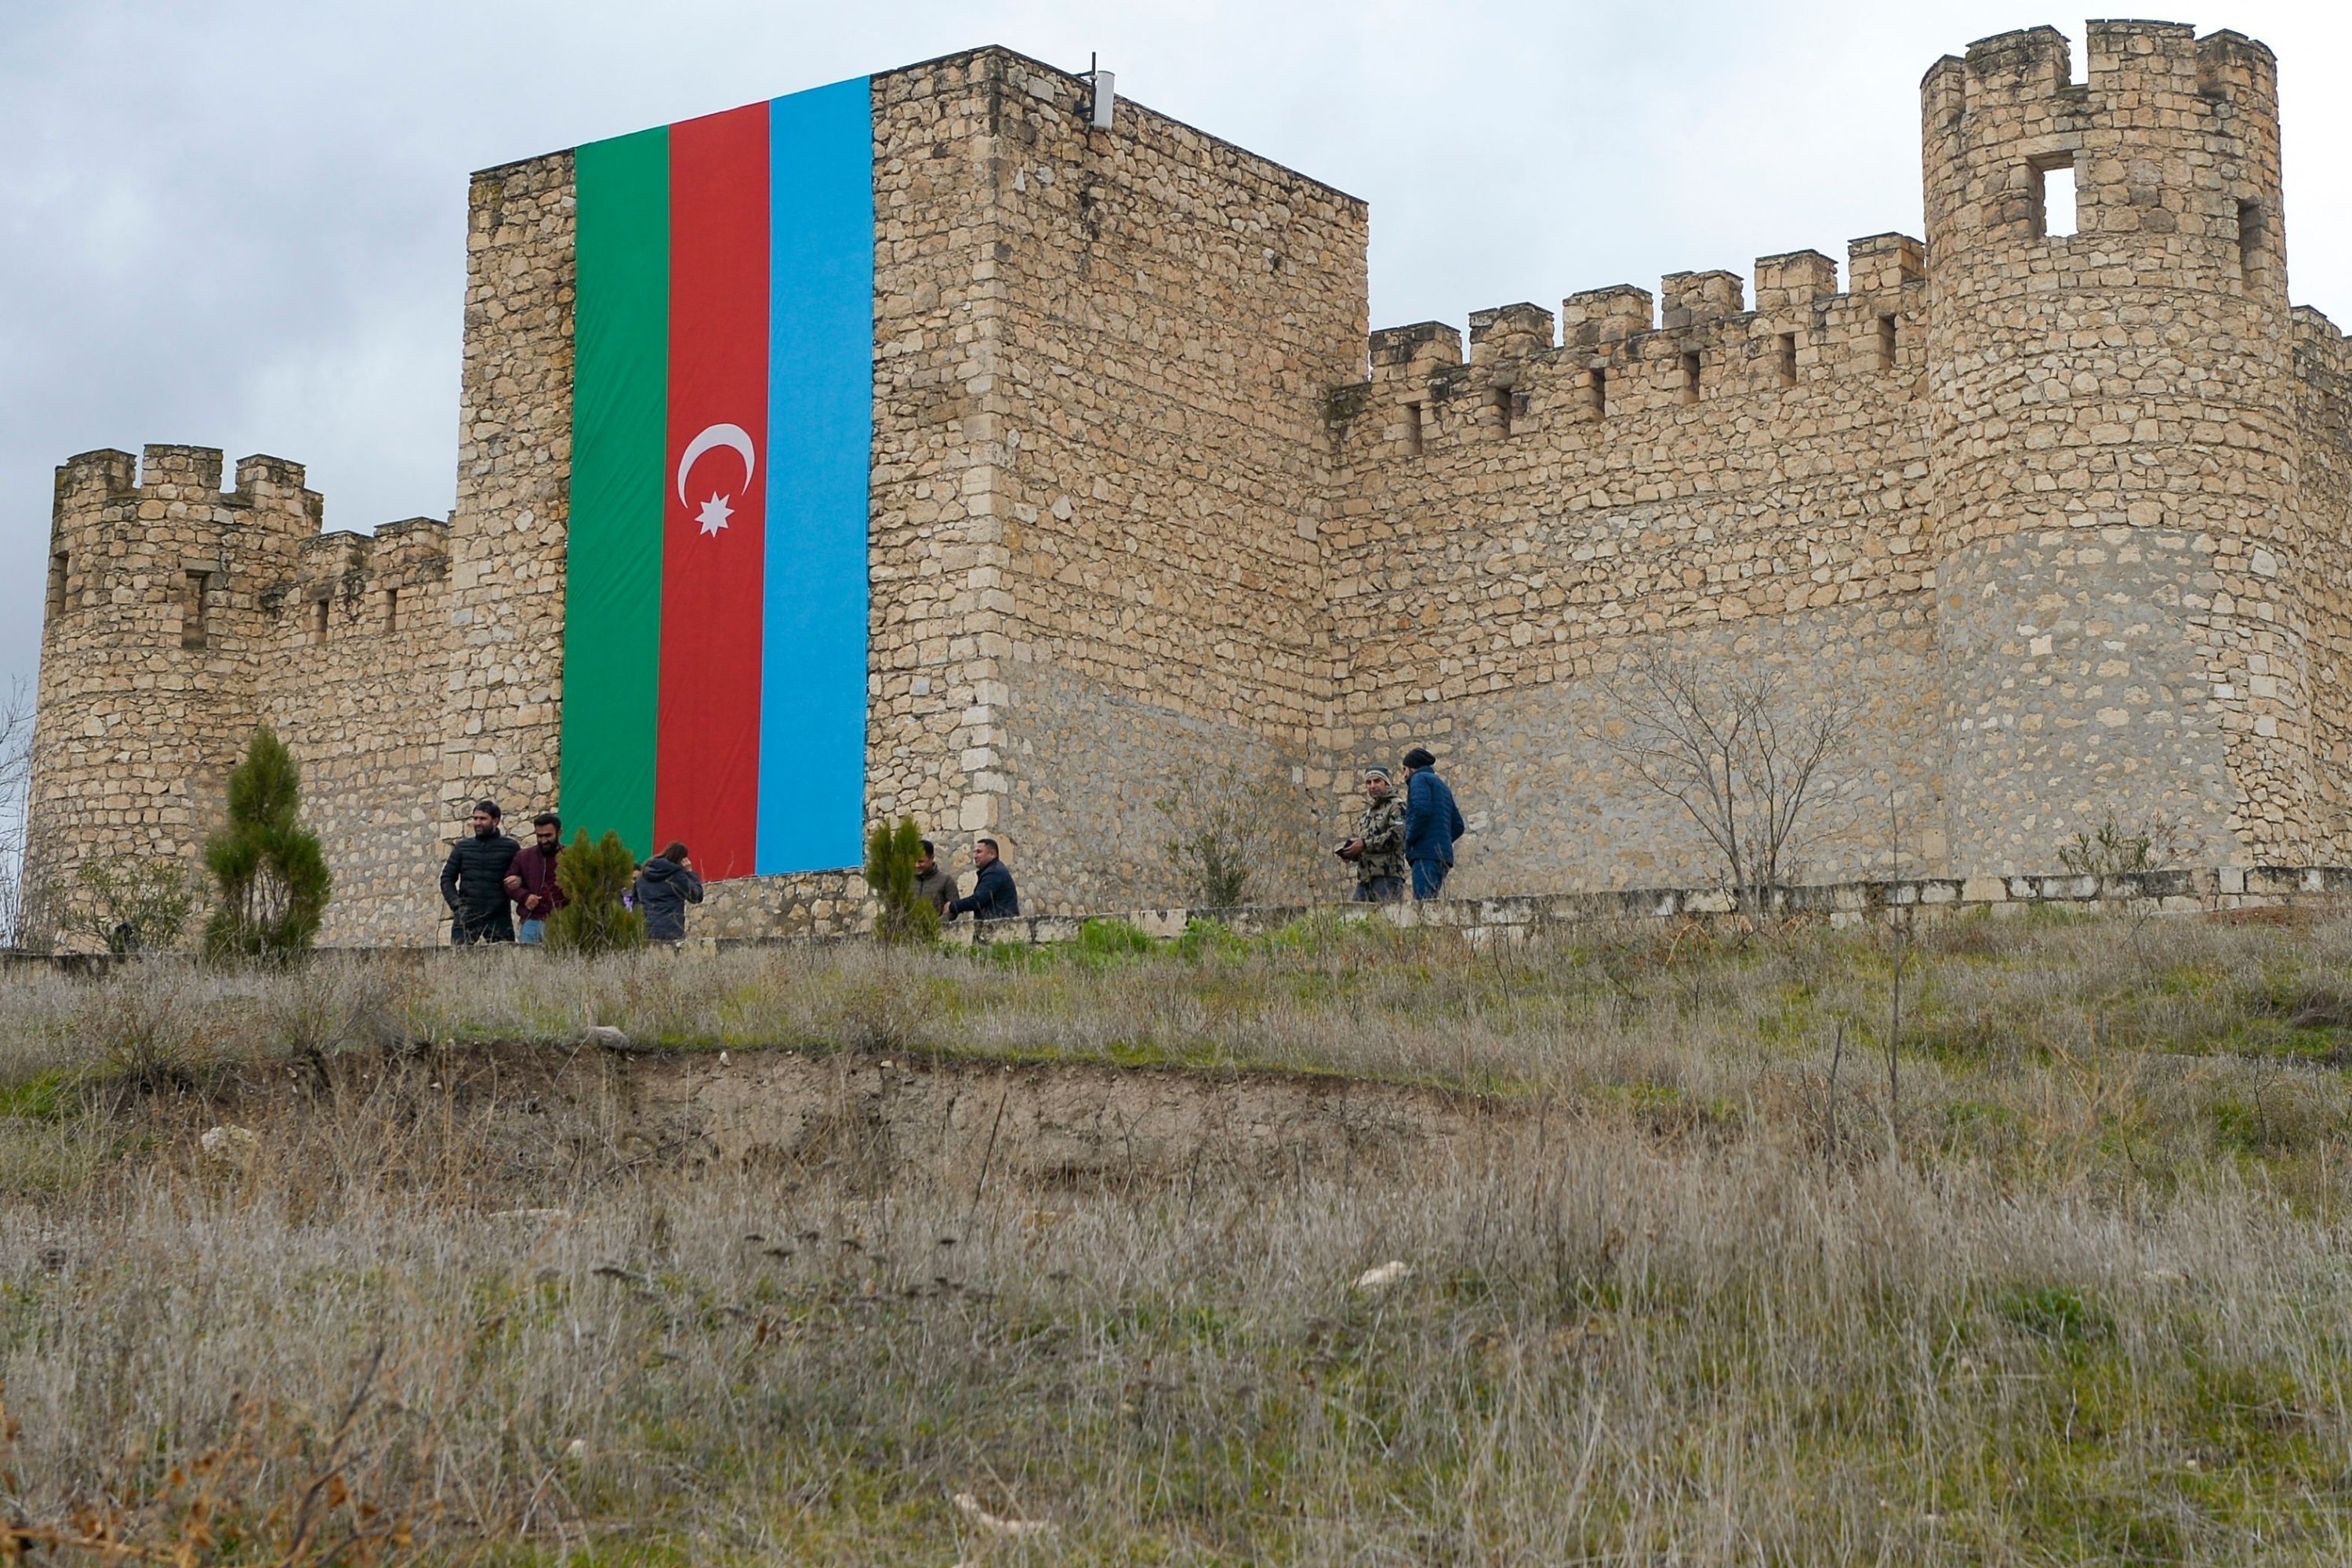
{"type": "Point", "coordinates": [666, 885]}
{"type": "Point", "coordinates": [474, 881]}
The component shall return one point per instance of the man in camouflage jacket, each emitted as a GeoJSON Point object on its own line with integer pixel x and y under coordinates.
{"type": "Point", "coordinates": [1377, 851]}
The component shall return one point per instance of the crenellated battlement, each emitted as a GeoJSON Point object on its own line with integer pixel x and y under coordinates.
{"type": "Point", "coordinates": [1621, 351]}
{"type": "Point", "coordinates": [2173, 140]}
{"type": "Point", "coordinates": [362, 583]}
{"type": "Point", "coordinates": [180, 482]}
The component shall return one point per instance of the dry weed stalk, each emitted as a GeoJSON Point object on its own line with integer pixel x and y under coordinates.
{"type": "Point", "coordinates": [1644, 1260]}
{"type": "Point", "coordinates": [202, 1510]}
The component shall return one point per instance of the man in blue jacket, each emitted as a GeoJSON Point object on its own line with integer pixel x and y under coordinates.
{"type": "Point", "coordinates": [994, 897]}
{"type": "Point", "coordinates": [1432, 823]}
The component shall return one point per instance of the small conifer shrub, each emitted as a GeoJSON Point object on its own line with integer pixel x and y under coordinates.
{"type": "Point", "coordinates": [592, 879]}
{"type": "Point", "coordinates": [890, 854]}
{"type": "Point", "coordinates": [271, 875]}
{"type": "Point", "coordinates": [136, 906]}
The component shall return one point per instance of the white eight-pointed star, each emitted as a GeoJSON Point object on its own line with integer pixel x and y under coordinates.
{"type": "Point", "coordinates": [715, 513]}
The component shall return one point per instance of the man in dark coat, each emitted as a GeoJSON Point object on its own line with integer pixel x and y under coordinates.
{"type": "Point", "coordinates": [994, 896]}
{"type": "Point", "coordinates": [666, 885]}
{"type": "Point", "coordinates": [934, 882]}
{"type": "Point", "coordinates": [474, 881]}
{"type": "Point", "coordinates": [530, 880]}
{"type": "Point", "coordinates": [1432, 823]}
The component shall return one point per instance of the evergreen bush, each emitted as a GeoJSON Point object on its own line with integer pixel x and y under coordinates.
{"type": "Point", "coordinates": [890, 856]}
{"type": "Point", "coordinates": [594, 877]}
{"type": "Point", "coordinates": [272, 876]}
{"type": "Point", "coordinates": [138, 906]}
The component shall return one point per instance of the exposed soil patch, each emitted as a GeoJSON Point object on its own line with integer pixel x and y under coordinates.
{"type": "Point", "coordinates": [584, 1113]}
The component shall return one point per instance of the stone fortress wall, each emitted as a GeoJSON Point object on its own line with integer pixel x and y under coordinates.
{"type": "Point", "coordinates": [2065, 513]}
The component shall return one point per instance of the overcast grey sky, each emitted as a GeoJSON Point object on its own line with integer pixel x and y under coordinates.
{"type": "Point", "coordinates": [241, 224]}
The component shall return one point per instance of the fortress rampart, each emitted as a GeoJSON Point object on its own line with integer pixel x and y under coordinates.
{"type": "Point", "coordinates": [2063, 504]}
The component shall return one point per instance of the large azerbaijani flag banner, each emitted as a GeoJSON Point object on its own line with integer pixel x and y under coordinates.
{"type": "Point", "coordinates": [714, 684]}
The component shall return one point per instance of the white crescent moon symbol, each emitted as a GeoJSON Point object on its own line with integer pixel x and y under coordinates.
{"type": "Point", "coordinates": [733, 436]}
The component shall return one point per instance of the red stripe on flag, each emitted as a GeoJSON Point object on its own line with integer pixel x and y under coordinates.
{"type": "Point", "coordinates": [707, 767]}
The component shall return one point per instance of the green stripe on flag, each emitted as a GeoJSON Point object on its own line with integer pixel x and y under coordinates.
{"type": "Point", "coordinates": [612, 618]}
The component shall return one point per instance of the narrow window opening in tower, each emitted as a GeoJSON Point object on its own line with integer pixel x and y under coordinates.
{"type": "Point", "coordinates": [2055, 215]}
{"type": "Point", "coordinates": [1689, 390]}
{"type": "Point", "coordinates": [59, 566]}
{"type": "Point", "coordinates": [392, 609]}
{"type": "Point", "coordinates": [1412, 428]}
{"type": "Point", "coordinates": [1888, 345]}
{"type": "Point", "coordinates": [1788, 360]}
{"type": "Point", "coordinates": [1597, 392]}
{"type": "Point", "coordinates": [318, 623]}
{"type": "Point", "coordinates": [2250, 240]}
{"type": "Point", "coordinates": [1503, 410]}
{"type": "Point", "coordinates": [195, 603]}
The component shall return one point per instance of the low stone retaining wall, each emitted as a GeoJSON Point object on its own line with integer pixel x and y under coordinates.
{"type": "Point", "coordinates": [2202, 891]}
{"type": "Point", "coordinates": [2188, 891]}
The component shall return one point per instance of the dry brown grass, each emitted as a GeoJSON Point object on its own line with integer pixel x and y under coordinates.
{"type": "Point", "coordinates": [1674, 1303]}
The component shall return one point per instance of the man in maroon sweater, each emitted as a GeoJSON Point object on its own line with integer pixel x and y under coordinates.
{"type": "Point", "coordinates": [530, 880]}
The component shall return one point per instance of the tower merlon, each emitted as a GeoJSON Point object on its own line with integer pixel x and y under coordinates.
{"type": "Point", "coordinates": [93, 476]}
{"type": "Point", "coordinates": [2033, 62]}
{"type": "Point", "coordinates": [1598, 317]}
{"type": "Point", "coordinates": [2161, 54]}
{"type": "Point", "coordinates": [182, 473]}
{"type": "Point", "coordinates": [2233, 66]}
{"type": "Point", "coordinates": [1509, 332]}
{"type": "Point", "coordinates": [1885, 263]}
{"type": "Point", "coordinates": [1409, 353]}
{"type": "Point", "coordinates": [1793, 280]}
{"type": "Point", "coordinates": [1694, 298]}
{"type": "Point", "coordinates": [261, 472]}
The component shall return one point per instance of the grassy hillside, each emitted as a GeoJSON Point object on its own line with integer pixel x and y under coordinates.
{"type": "Point", "coordinates": [1695, 1268]}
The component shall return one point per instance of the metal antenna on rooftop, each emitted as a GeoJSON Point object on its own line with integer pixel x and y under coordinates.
{"type": "Point", "coordinates": [1106, 93]}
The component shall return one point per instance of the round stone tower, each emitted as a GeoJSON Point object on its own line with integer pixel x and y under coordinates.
{"type": "Point", "coordinates": [152, 650]}
{"type": "Point", "coordinates": [2115, 448]}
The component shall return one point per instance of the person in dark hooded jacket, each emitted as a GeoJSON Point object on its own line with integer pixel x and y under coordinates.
{"type": "Point", "coordinates": [666, 885]}
{"type": "Point", "coordinates": [994, 896]}
{"type": "Point", "coordinates": [1432, 823]}
{"type": "Point", "coordinates": [474, 881]}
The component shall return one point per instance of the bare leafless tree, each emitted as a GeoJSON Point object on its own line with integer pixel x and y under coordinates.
{"type": "Point", "coordinates": [1737, 748]}
{"type": "Point", "coordinates": [15, 783]}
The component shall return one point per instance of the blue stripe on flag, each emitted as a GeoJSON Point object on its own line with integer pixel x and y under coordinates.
{"type": "Point", "coordinates": [820, 435]}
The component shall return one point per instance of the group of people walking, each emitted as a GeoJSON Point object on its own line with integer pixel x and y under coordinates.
{"type": "Point", "coordinates": [499, 890]}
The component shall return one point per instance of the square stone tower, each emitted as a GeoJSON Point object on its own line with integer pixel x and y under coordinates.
{"type": "Point", "coordinates": [1099, 477]}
